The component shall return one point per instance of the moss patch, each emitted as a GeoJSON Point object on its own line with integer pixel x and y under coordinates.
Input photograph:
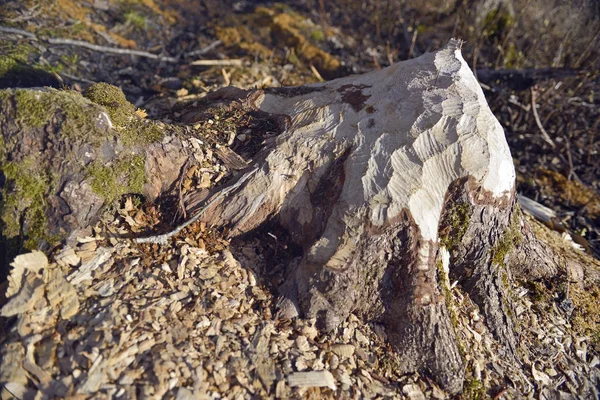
{"type": "Point", "coordinates": [586, 316]}
{"type": "Point", "coordinates": [23, 205]}
{"type": "Point", "coordinates": [135, 19]}
{"type": "Point", "coordinates": [510, 238]}
{"type": "Point", "coordinates": [132, 129]}
{"type": "Point", "coordinates": [35, 109]}
{"type": "Point", "coordinates": [473, 390]}
{"type": "Point", "coordinates": [113, 98]}
{"type": "Point", "coordinates": [497, 23]}
{"type": "Point", "coordinates": [125, 175]}
{"type": "Point", "coordinates": [14, 55]}
{"type": "Point", "coordinates": [442, 279]}
{"type": "Point", "coordinates": [456, 221]}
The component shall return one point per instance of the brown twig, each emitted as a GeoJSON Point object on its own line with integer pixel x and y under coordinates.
{"type": "Point", "coordinates": [588, 47]}
{"type": "Point", "coordinates": [547, 138]}
{"type": "Point", "coordinates": [545, 135]}
{"type": "Point", "coordinates": [500, 393]}
{"type": "Point", "coordinates": [204, 50]}
{"type": "Point", "coordinates": [210, 63]}
{"type": "Point", "coordinates": [412, 43]}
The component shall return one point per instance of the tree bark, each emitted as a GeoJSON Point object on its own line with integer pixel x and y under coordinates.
{"type": "Point", "coordinates": [392, 183]}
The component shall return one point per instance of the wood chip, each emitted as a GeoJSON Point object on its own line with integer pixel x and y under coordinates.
{"type": "Point", "coordinates": [31, 291]}
{"type": "Point", "coordinates": [31, 262]}
{"type": "Point", "coordinates": [312, 379]}
{"type": "Point", "coordinates": [230, 158]}
{"type": "Point", "coordinates": [343, 350]}
{"type": "Point", "coordinates": [60, 292]}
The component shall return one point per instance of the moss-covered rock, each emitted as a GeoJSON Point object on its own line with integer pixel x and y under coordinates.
{"type": "Point", "coordinates": [81, 119]}
{"type": "Point", "coordinates": [132, 128]}
{"type": "Point", "coordinates": [23, 205]}
{"type": "Point", "coordinates": [63, 154]}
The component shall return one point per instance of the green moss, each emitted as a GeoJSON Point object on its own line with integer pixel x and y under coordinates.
{"type": "Point", "coordinates": [35, 109]}
{"type": "Point", "coordinates": [456, 223]}
{"type": "Point", "coordinates": [7, 64]}
{"type": "Point", "coordinates": [538, 291]}
{"type": "Point", "coordinates": [140, 131]}
{"type": "Point", "coordinates": [135, 19]}
{"type": "Point", "coordinates": [132, 129]}
{"type": "Point", "coordinates": [14, 56]}
{"type": "Point", "coordinates": [473, 390]}
{"type": "Point", "coordinates": [317, 35]}
{"type": "Point", "coordinates": [510, 238]}
{"type": "Point", "coordinates": [120, 110]}
{"type": "Point", "coordinates": [23, 205]}
{"type": "Point", "coordinates": [513, 57]}
{"type": "Point", "coordinates": [497, 22]}
{"type": "Point", "coordinates": [32, 108]}
{"type": "Point", "coordinates": [447, 294]}
{"type": "Point", "coordinates": [586, 316]}
{"type": "Point", "coordinates": [125, 175]}
{"type": "Point", "coordinates": [2, 148]}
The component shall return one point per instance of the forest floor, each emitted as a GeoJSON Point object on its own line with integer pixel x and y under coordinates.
{"type": "Point", "coordinates": [194, 319]}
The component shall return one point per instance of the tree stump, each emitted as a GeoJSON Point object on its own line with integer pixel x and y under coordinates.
{"type": "Point", "coordinates": [389, 181]}
{"type": "Point", "coordinates": [393, 183]}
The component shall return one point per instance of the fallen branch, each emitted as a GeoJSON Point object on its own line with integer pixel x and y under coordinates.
{"type": "Point", "coordinates": [545, 135]}
{"type": "Point", "coordinates": [16, 31]}
{"type": "Point", "coordinates": [106, 49]}
{"type": "Point", "coordinates": [210, 63]}
{"type": "Point", "coordinates": [87, 45]}
{"type": "Point", "coordinates": [204, 50]}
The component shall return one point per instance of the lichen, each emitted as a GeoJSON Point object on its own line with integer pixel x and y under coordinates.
{"type": "Point", "coordinates": [124, 175]}
{"type": "Point", "coordinates": [456, 222]}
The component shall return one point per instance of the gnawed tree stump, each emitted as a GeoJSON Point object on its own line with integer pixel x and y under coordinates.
{"type": "Point", "coordinates": [394, 184]}
{"type": "Point", "coordinates": [376, 177]}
